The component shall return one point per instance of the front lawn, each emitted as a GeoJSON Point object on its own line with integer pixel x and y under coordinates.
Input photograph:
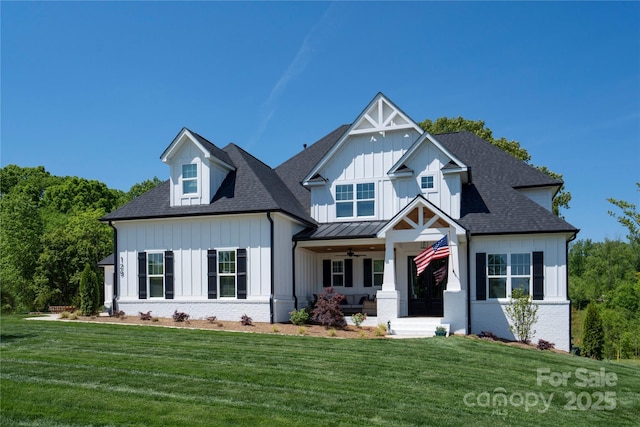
{"type": "Point", "coordinates": [79, 374]}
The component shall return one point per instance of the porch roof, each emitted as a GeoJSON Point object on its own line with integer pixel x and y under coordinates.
{"type": "Point", "coordinates": [341, 230]}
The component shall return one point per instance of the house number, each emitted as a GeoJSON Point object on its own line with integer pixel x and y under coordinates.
{"type": "Point", "coordinates": [121, 267]}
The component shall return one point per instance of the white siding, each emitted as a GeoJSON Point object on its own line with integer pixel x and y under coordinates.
{"type": "Point", "coordinates": [553, 313]}
{"type": "Point", "coordinates": [362, 159]}
{"type": "Point", "coordinates": [542, 196]}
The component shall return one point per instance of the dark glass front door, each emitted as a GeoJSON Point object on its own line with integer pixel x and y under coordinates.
{"type": "Point", "coordinates": [425, 291]}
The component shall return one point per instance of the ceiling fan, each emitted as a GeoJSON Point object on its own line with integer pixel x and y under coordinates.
{"type": "Point", "coordinates": [350, 253]}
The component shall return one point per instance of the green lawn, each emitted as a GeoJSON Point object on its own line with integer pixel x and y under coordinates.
{"type": "Point", "coordinates": [78, 374]}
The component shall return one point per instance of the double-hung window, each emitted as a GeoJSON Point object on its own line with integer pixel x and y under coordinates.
{"type": "Point", "coordinates": [507, 272]}
{"type": "Point", "coordinates": [378, 272]}
{"type": "Point", "coordinates": [227, 273]}
{"type": "Point", "coordinates": [344, 200]}
{"type": "Point", "coordinates": [155, 274]}
{"type": "Point", "coordinates": [364, 200]}
{"type": "Point", "coordinates": [190, 179]}
{"type": "Point", "coordinates": [365, 194]}
{"type": "Point", "coordinates": [337, 273]}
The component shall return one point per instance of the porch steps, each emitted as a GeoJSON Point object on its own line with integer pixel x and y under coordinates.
{"type": "Point", "coordinates": [405, 327]}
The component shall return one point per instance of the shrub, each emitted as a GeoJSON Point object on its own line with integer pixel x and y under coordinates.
{"type": "Point", "coordinates": [211, 319]}
{"type": "Point", "coordinates": [362, 334]}
{"type": "Point", "coordinates": [275, 329]}
{"type": "Point", "coordinates": [333, 332]}
{"type": "Point", "coordinates": [299, 317]}
{"type": "Point", "coordinates": [180, 317]}
{"type": "Point", "coordinates": [327, 310]}
{"type": "Point", "coordinates": [380, 330]}
{"type": "Point", "coordinates": [145, 316]}
{"type": "Point", "coordinates": [592, 333]}
{"type": "Point", "coordinates": [64, 315]}
{"type": "Point", "coordinates": [88, 290]}
{"type": "Point", "coordinates": [302, 330]}
{"type": "Point", "coordinates": [358, 318]}
{"type": "Point", "coordinates": [73, 316]}
{"type": "Point", "coordinates": [523, 313]}
{"type": "Point", "coordinates": [545, 345]}
{"type": "Point", "coordinates": [246, 320]}
{"type": "Point", "coordinates": [118, 314]}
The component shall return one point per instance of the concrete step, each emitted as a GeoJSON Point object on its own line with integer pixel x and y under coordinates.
{"type": "Point", "coordinates": [417, 326]}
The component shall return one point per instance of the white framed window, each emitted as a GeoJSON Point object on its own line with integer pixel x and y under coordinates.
{"type": "Point", "coordinates": [365, 195]}
{"type": "Point", "coordinates": [227, 273]}
{"type": "Point", "coordinates": [378, 272]}
{"type": "Point", "coordinates": [344, 200]}
{"type": "Point", "coordinates": [155, 274]}
{"type": "Point", "coordinates": [507, 272]}
{"type": "Point", "coordinates": [190, 179]}
{"type": "Point", "coordinates": [428, 183]}
{"type": "Point", "coordinates": [337, 273]}
{"type": "Point", "coordinates": [364, 200]}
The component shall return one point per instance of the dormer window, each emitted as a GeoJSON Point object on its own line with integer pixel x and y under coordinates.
{"type": "Point", "coordinates": [190, 179]}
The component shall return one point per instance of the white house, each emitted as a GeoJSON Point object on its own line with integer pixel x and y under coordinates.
{"type": "Point", "coordinates": [228, 235]}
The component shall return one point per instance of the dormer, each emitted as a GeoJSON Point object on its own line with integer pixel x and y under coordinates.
{"type": "Point", "coordinates": [197, 168]}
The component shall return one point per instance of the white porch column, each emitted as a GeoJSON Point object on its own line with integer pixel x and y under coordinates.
{"type": "Point", "coordinates": [388, 300]}
{"type": "Point", "coordinates": [455, 298]}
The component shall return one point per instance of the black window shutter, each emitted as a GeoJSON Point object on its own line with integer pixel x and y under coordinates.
{"type": "Point", "coordinates": [538, 275]}
{"type": "Point", "coordinates": [326, 273]}
{"type": "Point", "coordinates": [142, 275]}
{"type": "Point", "coordinates": [348, 273]}
{"type": "Point", "coordinates": [242, 273]}
{"type": "Point", "coordinates": [481, 276]}
{"type": "Point", "coordinates": [168, 274]}
{"type": "Point", "coordinates": [212, 274]}
{"type": "Point", "coordinates": [367, 272]}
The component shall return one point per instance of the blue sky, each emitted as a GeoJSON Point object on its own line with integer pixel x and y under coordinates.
{"type": "Point", "coordinates": [99, 89]}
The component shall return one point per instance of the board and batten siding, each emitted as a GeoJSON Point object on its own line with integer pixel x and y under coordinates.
{"type": "Point", "coordinates": [210, 176]}
{"type": "Point", "coordinates": [189, 239]}
{"type": "Point", "coordinates": [362, 160]}
{"type": "Point", "coordinates": [553, 312]}
{"type": "Point", "coordinates": [542, 196]}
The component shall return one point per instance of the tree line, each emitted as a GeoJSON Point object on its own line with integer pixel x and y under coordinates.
{"type": "Point", "coordinates": [604, 280]}
{"type": "Point", "coordinates": [49, 233]}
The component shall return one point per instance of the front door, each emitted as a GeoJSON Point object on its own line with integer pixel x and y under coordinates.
{"type": "Point", "coordinates": [426, 290]}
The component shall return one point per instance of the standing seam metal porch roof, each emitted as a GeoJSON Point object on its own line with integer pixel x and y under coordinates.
{"type": "Point", "coordinates": [341, 230]}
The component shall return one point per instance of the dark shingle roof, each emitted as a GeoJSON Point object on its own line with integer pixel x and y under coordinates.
{"type": "Point", "coordinates": [213, 149]}
{"type": "Point", "coordinates": [252, 187]}
{"type": "Point", "coordinates": [294, 170]}
{"type": "Point", "coordinates": [491, 204]}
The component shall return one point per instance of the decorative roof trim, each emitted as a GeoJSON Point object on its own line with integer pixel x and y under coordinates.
{"type": "Point", "coordinates": [417, 201]}
{"type": "Point", "coordinates": [184, 135]}
{"type": "Point", "coordinates": [375, 127]}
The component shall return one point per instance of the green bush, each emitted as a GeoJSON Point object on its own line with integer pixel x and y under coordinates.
{"type": "Point", "coordinates": [299, 317]}
{"type": "Point", "coordinates": [592, 333]}
{"type": "Point", "coordinates": [88, 291]}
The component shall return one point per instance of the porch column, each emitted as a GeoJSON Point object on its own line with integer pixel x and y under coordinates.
{"type": "Point", "coordinates": [388, 300]}
{"type": "Point", "coordinates": [455, 298]}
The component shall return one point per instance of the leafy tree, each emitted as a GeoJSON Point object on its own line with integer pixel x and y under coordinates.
{"type": "Point", "coordinates": [523, 313]}
{"type": "Point", "coordinates": [81, 194]}
{"type": "Point", "coordinates": [630, 217]}
{"type": "Point", "coordinates": [327, 309]}
{"type": "Point", "coordinates": [19, 248]}
{"type": "Point", "coordinates": [457, 124]}
{"type": "Point", "coordinates": [88, 291]}
{"type": "Point", "coordinates": [66, 250]}
{"type": "Point", "coordinates": [141, 188]}
{"type": "Point", "coordinates": [592, 333]}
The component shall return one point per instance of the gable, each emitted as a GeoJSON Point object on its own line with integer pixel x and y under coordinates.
{"type": "Point", "coordinates": [378, 118]}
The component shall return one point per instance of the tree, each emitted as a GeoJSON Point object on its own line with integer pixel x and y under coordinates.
{"type": "Point", "coordinates": [75, 193]}
{"type": "Point", "coordinates": [327, 309]}
{"type": "Point", "coordinates": [630, 217]}
{"type": "Point", "coordinates": [457, 124]}
{"type": "Point", "coordinates": [523, 313]}
{"type": "Point", "coordinates": [88, 291]}
{"type": "Point", "coordinates": [20, 232]}
{"type": "Point", "coordinates": [592, 333]}
{"type": "Point", "coordinates": [141, 188]}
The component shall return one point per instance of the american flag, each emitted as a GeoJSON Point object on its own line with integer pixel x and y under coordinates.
{"type": "Point", "coordinates": [439, 250]}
